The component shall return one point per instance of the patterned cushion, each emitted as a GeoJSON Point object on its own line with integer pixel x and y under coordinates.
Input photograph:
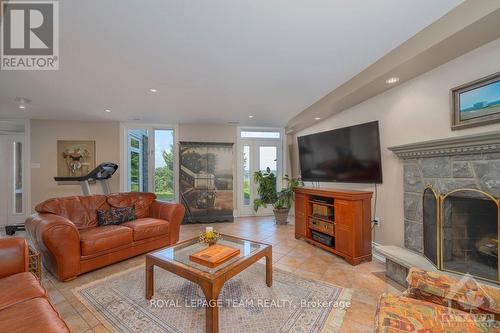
{"type": "Point", "coordinates": [115, 216]}
{"type": "Point", "coordinates": [465, 294]}
{"type": "Point", "coordinates": [140, 200]}
{"type": "Point", "coordinates": [397, 314]}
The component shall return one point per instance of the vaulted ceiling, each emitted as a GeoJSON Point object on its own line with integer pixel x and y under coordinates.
{"type": "Point", "coordinates": [211, 61]}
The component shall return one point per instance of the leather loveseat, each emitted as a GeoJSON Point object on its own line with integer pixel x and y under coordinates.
{"type": "Point", "coordinates": [24, 305]}
{"type": "Point", "coordinates": [66, 232]}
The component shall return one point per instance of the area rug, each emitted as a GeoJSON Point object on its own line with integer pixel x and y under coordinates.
{"type": "Point", "coordinates": [292, 304]}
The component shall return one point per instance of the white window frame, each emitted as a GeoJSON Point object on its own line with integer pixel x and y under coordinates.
{"type": "Point", "coordinates": [150, 127]}
{"type": "Point", "coordinates": [141, 161]}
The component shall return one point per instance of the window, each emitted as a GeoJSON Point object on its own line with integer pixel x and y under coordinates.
{"type": "Point", "coordinates": [164, 164]}
{"type": "Point", "coordinates": [18, 177]}
{"type": "Point", "coordinates": [268, 156]}
{"type": "Point", "coordinates": [135, 143]}
{"type": "Point", "coordinates": [246, 175]}
{"type": "Point", "coordinates": [138, 145]}
{"type": "Point", "coordinates": [150, 161]}
{"type": "Point", "coordinates": [260, 135]}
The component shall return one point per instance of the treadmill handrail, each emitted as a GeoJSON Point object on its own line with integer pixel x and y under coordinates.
{"type": "Point", "coordinates": [101, 172]}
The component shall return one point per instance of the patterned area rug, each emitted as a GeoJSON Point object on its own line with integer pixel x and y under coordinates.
{"type": "Point", "coordinates": [292, 304]}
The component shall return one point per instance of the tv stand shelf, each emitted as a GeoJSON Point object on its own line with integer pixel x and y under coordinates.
{"type": "Point", "coordinates": [351, 221]}
{"type": "Point", "coordinates": [321, 203]}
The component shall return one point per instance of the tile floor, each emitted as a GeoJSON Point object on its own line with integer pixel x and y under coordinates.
{"type": "Point", "coordinates": [367, 280]}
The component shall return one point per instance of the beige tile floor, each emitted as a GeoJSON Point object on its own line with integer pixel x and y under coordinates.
{"type": "Point", "coordinates": [367, 280]}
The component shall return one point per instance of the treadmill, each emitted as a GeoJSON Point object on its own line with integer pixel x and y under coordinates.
{"type": "Point", "coordinates": [101, 174]}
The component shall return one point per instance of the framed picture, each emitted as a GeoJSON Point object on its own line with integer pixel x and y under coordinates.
{"type": "Point", "coordinates": [476, 103]}
{"type": "Point", "coordinates": [206, 181]}
{"type": "Point", "coordinates": [75, 158]}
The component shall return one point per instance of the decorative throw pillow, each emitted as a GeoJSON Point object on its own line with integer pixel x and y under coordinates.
{"type": "Point", "coordinates": [115, 216]}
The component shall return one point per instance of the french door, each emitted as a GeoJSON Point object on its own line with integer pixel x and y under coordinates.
{"type": "Point", "coordinates": [12, 179]}
{"type": "Point", "coordinates": [149, 161]}
{"type": "Point", "coordinates": [257, 155]}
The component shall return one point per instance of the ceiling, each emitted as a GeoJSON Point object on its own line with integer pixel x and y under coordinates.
{"type": "Point", "coordinates": [212, 61]}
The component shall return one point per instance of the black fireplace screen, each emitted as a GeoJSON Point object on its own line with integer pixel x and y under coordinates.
{"type": "Point", "coordinates": [469, 234]}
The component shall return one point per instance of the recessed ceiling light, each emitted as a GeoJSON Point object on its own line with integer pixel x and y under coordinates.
{"type": "Point", "coordinates": [392, 80]}
{"type": "Point", "coordinates": [317, 118]}
{"type": "Point", "coordinates": [107, 110]}
{"type": "Point", "coordinates": [153, 90]}
{"type": "Point", "coordinates": [23, 101]}
{"type": "Point", "coordinates": [250, 116]}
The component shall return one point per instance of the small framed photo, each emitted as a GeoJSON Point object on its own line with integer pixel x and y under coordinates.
{"type": "Point", "coordinates": [476, 103]}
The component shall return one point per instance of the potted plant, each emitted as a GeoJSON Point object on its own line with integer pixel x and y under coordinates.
{"type": "Point", "coordinates": [268, 195]}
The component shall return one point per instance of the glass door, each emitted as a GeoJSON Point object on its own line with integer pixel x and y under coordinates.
{"type": "Point", "coordinates": [257, 155]}
{"type": "Point", "coordinates": [13, 196]}
{"type": "Point", "coordinates": [150, 161]}
{"type": "Point", "coordinates": [163, 176]}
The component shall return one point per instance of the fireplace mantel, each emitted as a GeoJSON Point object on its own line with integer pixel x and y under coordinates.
{"type": "Point", "coordinates": [488, 142]}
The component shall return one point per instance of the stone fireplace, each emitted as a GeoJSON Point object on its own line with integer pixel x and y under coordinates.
{"type": "Point", "coordinates": [451, 206]}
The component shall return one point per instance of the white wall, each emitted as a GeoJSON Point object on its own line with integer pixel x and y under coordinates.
{"type": "Point", "coordinates": [417, 110]}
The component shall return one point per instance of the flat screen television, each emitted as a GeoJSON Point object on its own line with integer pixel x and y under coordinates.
{"type": "Point", "coordinates": [347, 155]}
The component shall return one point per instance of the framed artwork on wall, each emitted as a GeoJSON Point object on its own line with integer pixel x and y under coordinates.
{"type": "Point", "coordinates": [206, 181]}
{"type": "Point", "coordinates": [476, 103]}
{"type": "Point", "coordinates": [75, 158]}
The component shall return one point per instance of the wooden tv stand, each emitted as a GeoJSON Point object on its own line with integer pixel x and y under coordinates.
{"type": "Point", "coordinates": [349, 227]}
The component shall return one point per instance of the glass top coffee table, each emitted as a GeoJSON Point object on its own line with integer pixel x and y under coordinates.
{"type": "Point", "coordinates": [175, 259]}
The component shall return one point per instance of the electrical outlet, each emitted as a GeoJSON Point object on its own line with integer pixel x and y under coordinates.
{"type": "Point", "coordinates": [376, 221]}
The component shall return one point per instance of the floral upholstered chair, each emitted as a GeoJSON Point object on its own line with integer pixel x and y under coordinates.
{"type": "Point", "coordinates": [435, 302]}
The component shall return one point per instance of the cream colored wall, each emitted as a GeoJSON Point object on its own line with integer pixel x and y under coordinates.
{"type": "Point", "coordinates": [207, 133]}
{"type": "Point", "coordinates": [417, 110]}
{"type": "Point", "coordinates": [44, 136]}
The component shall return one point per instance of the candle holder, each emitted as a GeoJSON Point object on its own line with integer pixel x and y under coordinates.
{"type": "Point", "coordinates": [209, 237]}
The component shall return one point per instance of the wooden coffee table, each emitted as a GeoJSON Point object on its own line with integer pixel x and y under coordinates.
{"type": "Point", "coordinates": [175, 259]}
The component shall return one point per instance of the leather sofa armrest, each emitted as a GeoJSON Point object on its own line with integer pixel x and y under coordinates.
{"type": "Point", "coordinates": [171, 212]}
{"type": "Point", "coordinates": [13, 256]}
{"type": "Point", "coordinates": [58, 240]}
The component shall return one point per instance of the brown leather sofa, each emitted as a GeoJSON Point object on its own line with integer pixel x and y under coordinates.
{"type": "Point", "coordinates": [24, 305]}
{"type": "Point", "coordinates": [66, 233]}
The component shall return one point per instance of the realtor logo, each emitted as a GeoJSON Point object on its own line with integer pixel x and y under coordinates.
{"type": "Point", "coordinates": [29, 35]}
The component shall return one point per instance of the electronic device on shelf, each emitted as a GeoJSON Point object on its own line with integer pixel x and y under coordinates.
{"type": "Point", "coordinates": [322, 238]}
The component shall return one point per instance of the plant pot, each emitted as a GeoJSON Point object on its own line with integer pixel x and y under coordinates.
{"type": "Point", "coordinates": [281, 215]}
{"type": "Point", "coordinates": [211, 242]}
